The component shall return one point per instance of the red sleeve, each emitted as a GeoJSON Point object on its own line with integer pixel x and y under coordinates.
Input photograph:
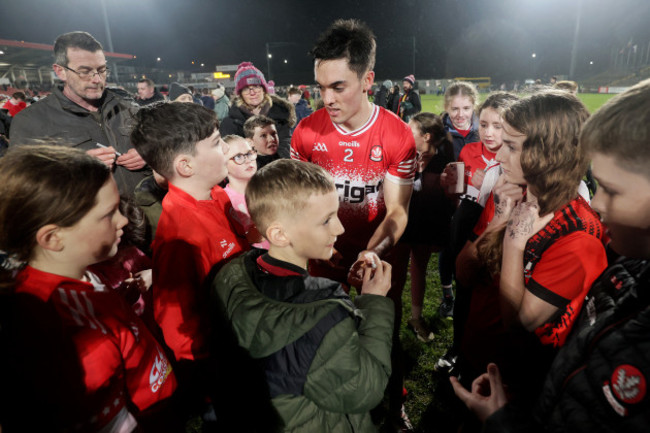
{"type": "Point", "coordinates": [148, 372]}
{"type": "Point", "coordinates": [568, 268]}
{"type": "Point", "coordinates": [176, 292]}
{"type": "Point", "coordinates": [401, 168]}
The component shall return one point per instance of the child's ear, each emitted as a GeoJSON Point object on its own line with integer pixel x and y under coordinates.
{"type": "Point", "coordinates": [49, 237]}
{"type": "Point", "coordinates": [276, 235]}
{"type": "Point", "coordinates": [183, 165]}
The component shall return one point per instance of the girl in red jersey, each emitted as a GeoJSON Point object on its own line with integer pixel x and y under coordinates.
{"type": "Point", "coordinates": [536, 259]}
{"type": "Point", "coordinates": [78, 357]}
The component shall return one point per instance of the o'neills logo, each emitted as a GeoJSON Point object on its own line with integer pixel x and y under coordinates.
{"type": "Point", "coordinates": [159, 372]}
{"type": "Point", "coordinates": [349, 143]}
{"type": "Point", "coordinates": [627, 386]}
{"type": "Point", "coordinates": [376, 153]}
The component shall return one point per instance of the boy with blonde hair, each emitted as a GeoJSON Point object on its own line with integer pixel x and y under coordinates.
{"type": "Point", "coordinates": [325, 358]}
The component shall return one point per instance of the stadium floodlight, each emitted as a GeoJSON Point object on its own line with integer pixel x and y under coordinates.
{"type": "Point", "coordinates": [533, 55]}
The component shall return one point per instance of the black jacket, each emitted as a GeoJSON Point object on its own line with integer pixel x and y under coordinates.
{"type": "Point", "coordinates": [58, 119]}
{"type": "Point", "coordinates": [410, 105]}
{"type": "Point", "coordinates": [599, 380]}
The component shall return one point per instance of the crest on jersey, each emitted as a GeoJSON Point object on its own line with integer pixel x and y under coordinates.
{"type": "Point", "coordinates": [376, 153]}
{"type": "Point", "coordinates": [627, 386]}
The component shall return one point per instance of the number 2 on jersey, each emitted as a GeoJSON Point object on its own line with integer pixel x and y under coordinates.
{"type": "Point", "coordinates": [348, 156]}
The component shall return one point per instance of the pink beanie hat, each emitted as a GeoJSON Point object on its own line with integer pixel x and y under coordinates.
{"type": "Point", "coordinates": [249, 75]}
{"type": "Point", "coordinates": [410, 79]}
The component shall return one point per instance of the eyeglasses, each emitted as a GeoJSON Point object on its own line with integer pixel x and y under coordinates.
{"type": "Point", "coordinates": [86, 74]}
{"type": "Point", "coordinates": [252, 89]}
{"type": "Point", "coordinates": [241, 158]}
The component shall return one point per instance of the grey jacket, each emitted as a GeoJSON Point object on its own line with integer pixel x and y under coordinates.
{"type": "Point", "coordinates": [57, 120]}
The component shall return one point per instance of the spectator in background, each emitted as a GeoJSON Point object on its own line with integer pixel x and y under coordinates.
{"type": "Point", "coordinates": [381, 97]}
{"type": "Point", "coordinates": [147, 93]}
{"type": "Point", "coordinates": [392, 100]}
{"type": "Point", "coordinates": [16, 104]}
{"type": "Point", "coordinates": [83, 112]}
{"type": "Point", "coordinates": [261, 132]}
{"type": "Point", "coordinates": [221, 102]}
{"type": "Point", "coordinates": [206, 99]}
{"type": "Point", "coordinates": [271, 87]}
{"type": "Point", "coordinates": [301, 105]}
{"type": "Point", "coordinates": [178, 93]}
{"type": "Point", "coordinates": [253, 99]}
{"type": "Point", "coordinates": [460, 100]}
{"type": "Point", "coordinates": [409, 103]}
{"type": "Point", "coordinates": [195, 95]}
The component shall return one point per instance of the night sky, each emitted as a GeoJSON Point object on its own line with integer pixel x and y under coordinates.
{"type": "Point", "coordinates": [452, 37]}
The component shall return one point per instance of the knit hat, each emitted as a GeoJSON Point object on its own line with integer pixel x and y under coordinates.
{"type": "Point", "coordinates": [410, 79]}
{"type": "Point", "coordinates": [176, 90]}
{"type": "Point", "coordinates": [271, 87]}
{"type": "Point", "coordinates": [249, 75]}
{"type": "Point", "coordinates": [218, 91]}
{"type": "Point", "coordinates": [387, 84]}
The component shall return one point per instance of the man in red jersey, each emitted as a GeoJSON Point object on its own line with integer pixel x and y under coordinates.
{"type": "Point", "coordinates": [370, 153]}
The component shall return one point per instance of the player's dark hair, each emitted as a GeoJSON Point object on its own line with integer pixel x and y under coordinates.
{"type": "Point", "coordinates": [347, 39]}
{"type": "Point", "coordinates": [81, 40]}
{"type": "Point", "coordinates": [165, 130]}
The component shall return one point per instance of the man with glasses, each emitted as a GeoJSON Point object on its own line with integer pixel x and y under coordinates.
{"type": "Point", "coordinates": [83, 113]}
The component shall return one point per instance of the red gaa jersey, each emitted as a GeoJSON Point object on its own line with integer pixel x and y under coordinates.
{"type": "Point", "coordinates": [476, 157]}
{"type": "Point", "coordinates": [561, 262]}
{"type": "Point", "coordinates": [192, 237]}
{"type": "Point", "coordinates": [382, 149]}
{"type": "Point", "coordinates": [117, 362]}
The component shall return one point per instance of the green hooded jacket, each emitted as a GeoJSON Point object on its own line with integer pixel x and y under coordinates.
{"type": "Point", "coordinates": [326, 359]}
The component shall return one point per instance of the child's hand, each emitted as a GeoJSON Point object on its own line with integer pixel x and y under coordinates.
{"type": "Point", "coordinates": [376, 276]}
{"type": "Point", "coordinates": [524, 222]}
{"type": "Point", "coordinates": [506, 197]}
{"type": "Point", "coordinates": [448, 176]}
{"type": "Point", "coordinates": [488, 393]}
{"type": "Point", "coordinates": [145, 280]}
{"type": "Point", "coordinates": [477, 178]}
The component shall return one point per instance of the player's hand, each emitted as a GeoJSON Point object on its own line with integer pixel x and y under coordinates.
{"type": "Point", "coordinates": [506, 197]}
{"type": "Point", "coordinates": [355, 274]}
{"type": "Point", "coordinates": [131, 160]}
{"type": "Point", "coordinates": [477, 179]}
{"type": "Point", "coordinates": [376, 276]}
{"type": "Point", "coordinates": [106, 155]}
{"type": "Point", "coordinates": [487, 395]}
